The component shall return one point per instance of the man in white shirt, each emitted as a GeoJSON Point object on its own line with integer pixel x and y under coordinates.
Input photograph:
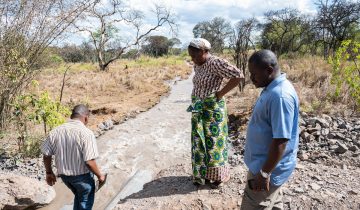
{"type": "Point", "coordinates": [75, 150]}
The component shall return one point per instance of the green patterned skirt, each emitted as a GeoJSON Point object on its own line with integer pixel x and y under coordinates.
{"type": "Point", "coordinates": [209, 139]}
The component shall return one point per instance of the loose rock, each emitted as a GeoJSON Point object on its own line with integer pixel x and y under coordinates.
{"type": "Point", "coordinates": [341, 149]}
{"type": "Point", "coordinates": [315, 186]}
{"type": "Point", "coordinates": [19, 192]}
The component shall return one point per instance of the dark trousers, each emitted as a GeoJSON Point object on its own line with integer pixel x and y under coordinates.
{"type": "Point", "coordinates": [83, 187]}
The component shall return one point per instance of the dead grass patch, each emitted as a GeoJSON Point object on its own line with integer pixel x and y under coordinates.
{"type": "Point", "coordinates": [311, 77]}
{"type": "Point", "coordinates": [127, 87]}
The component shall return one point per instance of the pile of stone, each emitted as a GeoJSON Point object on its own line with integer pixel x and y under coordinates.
{"type": "Point", "coordinates": [109, 124]}
{"type": "Point", "coordinates": [103, 127]}
{"type": "Point", "coordinates": [235, 160]}
{"type": "Point", "coordinates": [323, 136]}
{"type": "Point", "coordinates": [29, 167]}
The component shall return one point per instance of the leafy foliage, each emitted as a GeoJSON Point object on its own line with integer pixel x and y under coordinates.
{"type": "Point", "coordinates": [36, 109]}
{"type": "Point", "coordinates": [157, 46]}
{"type": "Point", "coordinates": [336, 21]}
{"type": "Point", "coordinates": [216, 31]}
{"type": "Point", "coordinates": [286, 31]}
{"type": "Point", "coordinates": [346, 70]}
{"type": "Point", "coordinates": [27, 29]}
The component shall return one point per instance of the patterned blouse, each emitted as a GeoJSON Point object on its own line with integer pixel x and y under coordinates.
{"type": "Point", "coordinates": [209, 76]}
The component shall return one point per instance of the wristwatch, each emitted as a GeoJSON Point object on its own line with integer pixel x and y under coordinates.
{"type": "Point", "coordinates": [264, 174]}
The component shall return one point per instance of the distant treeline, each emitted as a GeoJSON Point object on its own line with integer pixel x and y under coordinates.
{"type": "Point", "coordinates": [288, 30]}
{"type": "Point", "coordinates": [284, 31]}
{"type": "Point", "coordinates": [153, 46]}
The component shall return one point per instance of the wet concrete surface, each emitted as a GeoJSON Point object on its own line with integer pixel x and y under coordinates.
{"type": "Point", "coordinates": [150, 142]}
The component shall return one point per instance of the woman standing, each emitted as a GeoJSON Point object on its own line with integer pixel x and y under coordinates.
{"type": "Point", "coordinates": [209, 115]}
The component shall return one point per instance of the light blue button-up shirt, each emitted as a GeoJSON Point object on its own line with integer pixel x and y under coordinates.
{"type": "Point", "coordinates": [275, 116]}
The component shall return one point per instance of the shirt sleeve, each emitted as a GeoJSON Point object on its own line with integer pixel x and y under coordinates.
{"type": "Point", "coordinates": [46, 148]}
{"type": "Point", "coordinates": [224, 69]}
{"type": "Point", "coordinates": [89, 148]}
{"type": "Point", "coordinates": [282, 111]}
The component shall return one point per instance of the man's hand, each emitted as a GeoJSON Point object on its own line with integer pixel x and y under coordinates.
{"type": "Point", "coordinates": [50, 179]}
{"type": "Point", "coordinates": [95, 170]}
{"type": "Point", "coordinates": [101, 179]}
{"type": "Point", "coordinates": [50, 176]}
{"type": "Point", "coordinates": [261, 183]}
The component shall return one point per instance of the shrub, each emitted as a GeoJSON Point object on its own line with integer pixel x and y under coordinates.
{"type": "Point", "coordinates": [36, 109]}
{"type": "Point", "coordinates": [346, 70]}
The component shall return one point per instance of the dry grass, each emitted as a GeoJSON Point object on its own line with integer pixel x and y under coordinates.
{"type": "Point", "coordinates": [130, 87]}
{"type": "Point", "coordinates": [311, 77]}
{"type": "Point", "coordinates": [127, 88]}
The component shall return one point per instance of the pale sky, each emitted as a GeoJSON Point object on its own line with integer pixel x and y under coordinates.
{"type": "Point", "coordinates": [190, 12]}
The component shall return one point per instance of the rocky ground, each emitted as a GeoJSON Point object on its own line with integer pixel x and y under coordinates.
{"type": "Point", "coordinates": [20, 192]}
{"type": "Point", "coordinates": [328, 162]}
{"type": "Point", "coordinates": [326, 176]}
{"type": "Point", "coordinates": [312, 187]}
{"type": "Point", "coordinates": [29, 167]}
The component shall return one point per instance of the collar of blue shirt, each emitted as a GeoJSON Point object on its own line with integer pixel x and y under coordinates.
{"type": "Point", "coordinates": [276, 81]}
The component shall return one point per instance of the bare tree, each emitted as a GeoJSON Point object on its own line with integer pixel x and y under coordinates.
{"type": "Point", "coordinates": [336, 20]}
{"type": "Point", "coordinates": [241, 43]}
{"type": "Point", "coordinates": [101, 26]}
{"type": "Point", "coordinates": [27, 28]}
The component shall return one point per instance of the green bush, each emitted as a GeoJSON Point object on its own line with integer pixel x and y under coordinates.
{"type": "Point", "coordinates": [56, 59]}
{"type": "Point", "coordinates": [36, 109]}
{"type": "Point", "coordinates": [184, 54]}
{"type": "Point", "coordinates": [346, 70]}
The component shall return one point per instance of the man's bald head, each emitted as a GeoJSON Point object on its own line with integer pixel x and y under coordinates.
{"type": "Point", "coordinates": [80, 111]}
{"type": "Point", "coordinates": [264, 59]}
{"type": "Point", "coordinates": [263, 68]}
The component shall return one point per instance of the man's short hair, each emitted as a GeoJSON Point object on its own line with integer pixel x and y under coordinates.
{"type": "Point", "coordinates": [264, 58]}
{"type": "Point", "coordinates": [80, 110]}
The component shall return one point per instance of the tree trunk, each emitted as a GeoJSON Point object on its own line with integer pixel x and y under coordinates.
{"type": "Point", "coordinates": [104, 67]}
{"type": "Point", "coordinates": [4, 110]}
{"type": "Point", "coordinates": [101, 67]}
{"type": "Point", "coordinates": [62, 87]}
{"type": "Point", "coordinates": [2, 114]}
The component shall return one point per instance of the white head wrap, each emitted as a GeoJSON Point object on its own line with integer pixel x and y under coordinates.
{"type": "Point", "coordinates": [200, 43]}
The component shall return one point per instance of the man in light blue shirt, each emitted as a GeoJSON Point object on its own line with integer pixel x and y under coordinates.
{"type": "Point", "coordinates": [272, 134]}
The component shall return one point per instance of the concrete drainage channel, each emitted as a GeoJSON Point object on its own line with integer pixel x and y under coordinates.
{"type": "Point", "coordinates": [133, 185]}
{"type": "Point", "coordinates": [133, 152]}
